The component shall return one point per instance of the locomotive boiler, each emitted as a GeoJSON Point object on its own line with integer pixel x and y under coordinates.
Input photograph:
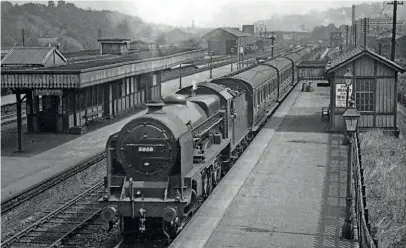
{"type": "Point", "coordinates": [163, 165]}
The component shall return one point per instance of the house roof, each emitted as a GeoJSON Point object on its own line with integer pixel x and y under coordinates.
{"type": "Point", "coordinates": [232, 31]}
{"type": "Point", "coordinates": [29, 56]}
{"type": "Point", "coordinates": [354, 54]}
{"type": "Point", "coordinates": [236, 32]}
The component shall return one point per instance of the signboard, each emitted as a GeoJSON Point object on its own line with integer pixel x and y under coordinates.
{"type": "Point", "coordinates": [341, 95]}
{"type": "Point", "coordinates": [48, 92]}
{"type": "Point", "coordinates": [336, 35]}
{"type": "Point", "coordinates": [241, 50]}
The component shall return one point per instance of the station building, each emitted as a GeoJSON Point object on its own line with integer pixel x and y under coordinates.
{"type": "Point", "coordinates": [74, 94]}
{"type": "Point", "coordinates": [374, 87]}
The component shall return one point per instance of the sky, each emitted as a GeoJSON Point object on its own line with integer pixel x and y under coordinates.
{"type": "Point", "coordinates": [208, 13]}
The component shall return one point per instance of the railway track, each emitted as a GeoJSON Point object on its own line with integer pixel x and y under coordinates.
{"type": "Point", "coordinates": [58, 226]}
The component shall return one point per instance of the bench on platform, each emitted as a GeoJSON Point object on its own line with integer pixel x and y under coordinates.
{"type": "Point", "coordinates": [92, 117]}
{"type": "Point", "coordinates": [325, 112]}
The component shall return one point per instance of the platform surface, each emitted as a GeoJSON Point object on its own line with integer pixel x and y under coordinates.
{"type": "Point", "coordinates": [286, 190]}
{"type": "Point", "coordinates": [19, 173]}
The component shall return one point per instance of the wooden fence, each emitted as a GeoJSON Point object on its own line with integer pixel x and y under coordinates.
{"type": "Point", "coordinates": [365, 238]}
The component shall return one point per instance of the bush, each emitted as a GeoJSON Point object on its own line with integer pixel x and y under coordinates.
{"type": "Point", "coordinates": [384, 162]}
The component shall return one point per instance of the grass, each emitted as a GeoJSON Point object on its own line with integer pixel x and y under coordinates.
{"type": "Point", "coordinates": [384, 162]}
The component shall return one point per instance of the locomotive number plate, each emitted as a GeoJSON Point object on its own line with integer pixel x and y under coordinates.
{"type": "Point", "coordinates": [145, 149]}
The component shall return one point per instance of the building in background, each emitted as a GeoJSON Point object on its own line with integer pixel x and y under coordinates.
{"type": "Point", "coordinates": [381, 25]}
{"type": "Point", "coordinates": [249, 29]}
{"type": "Point", "coordinates": [224, 41]}
{"type": "Point", "coordinates": [114, 45]}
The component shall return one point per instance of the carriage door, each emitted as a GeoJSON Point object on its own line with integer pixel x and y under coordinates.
{"type": "Point", "coordinates": [233, 120]}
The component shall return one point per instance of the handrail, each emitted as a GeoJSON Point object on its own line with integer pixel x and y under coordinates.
{"type": "Point", "coordinates": [365, 238]}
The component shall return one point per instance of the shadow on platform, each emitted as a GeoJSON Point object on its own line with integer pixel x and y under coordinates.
{"type": "Point", "coordinates": [36, 143]}
{"type": "Point", "coordinates": [300, 123]}
{"type": "Point", "coordinates": [332, 214]}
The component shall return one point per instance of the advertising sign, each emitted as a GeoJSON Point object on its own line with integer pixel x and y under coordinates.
{"type": "Point", "coordinates": [341, 95]}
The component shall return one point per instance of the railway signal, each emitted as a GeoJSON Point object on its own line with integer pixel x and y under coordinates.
{"type": "Point", "coordinates": [268, 36]}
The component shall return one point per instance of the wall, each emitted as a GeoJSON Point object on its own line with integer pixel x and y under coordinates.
{"type": "Point", "coordinates": [217, 41]}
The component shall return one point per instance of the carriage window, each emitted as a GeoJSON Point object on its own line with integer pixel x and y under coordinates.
{"type": "Point", "coordinates": [262, 98]}
{"type": "Point", "coordinates": [258, 98]}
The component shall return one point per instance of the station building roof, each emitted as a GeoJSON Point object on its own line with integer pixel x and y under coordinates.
{"type": "Point", "coordinates": [113, 40]}
{"type": "Point", "coordinates": [91, 72]}
{"type": "Point", "coordinates": [356, 53]}
{"type": "Point", "coordinates": [32, 57]}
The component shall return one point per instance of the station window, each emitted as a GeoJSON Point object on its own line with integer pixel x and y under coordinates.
{"type": "Point", "coordinates": [364, 95]}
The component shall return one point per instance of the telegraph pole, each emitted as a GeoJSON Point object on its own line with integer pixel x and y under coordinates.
{"type": "Point", "coordinates": [353, 29]}
{"type": "Point", "coordinates": [365, 31]}
{"type": "Point", "coordinates": [23, 36]}
{"type": "Point", "coordinates": [346, 36]}
{"type": "Point", "coordinates": [272, 43]}
{"type": "Point", "coordinates": [180, 76]}
{"type": "Point", "coordinates": [395, 10]}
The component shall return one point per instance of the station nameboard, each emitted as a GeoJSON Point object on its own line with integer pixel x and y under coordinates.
{"type": "Point", "coordinates": [48, 92]}
{"type": "Point", "coordinates": [341, 95]}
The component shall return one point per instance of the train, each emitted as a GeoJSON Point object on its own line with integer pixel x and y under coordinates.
{"type": "Point", "coordinates": [163, 165]}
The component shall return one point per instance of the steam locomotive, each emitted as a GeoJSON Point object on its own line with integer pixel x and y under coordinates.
{"type": "Point", "coordinates": [163, 165]}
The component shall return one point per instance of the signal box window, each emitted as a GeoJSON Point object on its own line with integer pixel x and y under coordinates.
{"type": "Point", "coordinates": [364, 95]}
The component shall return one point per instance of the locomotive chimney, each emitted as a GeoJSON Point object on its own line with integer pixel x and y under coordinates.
{"type": "Point", "coordinates": [194, 87]}
{"type": "Point", "coordinates": [155, 105]}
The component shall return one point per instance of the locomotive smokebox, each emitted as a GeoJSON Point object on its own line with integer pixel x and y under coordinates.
{"type": "Point", "coordinates": [108, 213]}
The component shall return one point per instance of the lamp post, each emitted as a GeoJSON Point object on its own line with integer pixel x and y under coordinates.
{"type": "Point", "coordinates": [180, 76]}
{"type": "Point", "coordinates": [351, 116]}
{"type": "Point", "coordinates": [348, 82]}
{"type": "Point", "coordinates": [231, 60]}
{"type": "Point", "coordinates": [211, 65]}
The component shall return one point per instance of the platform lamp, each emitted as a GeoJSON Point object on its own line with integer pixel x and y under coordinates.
{"type": "Point", "coordinates": [351, 117]}
{"type": "Point", "coordinates": [348, 82]}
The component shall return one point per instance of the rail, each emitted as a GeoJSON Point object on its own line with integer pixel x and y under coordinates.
{"type": "Point", "coordinates": [73, 215]}
{"type": "Point", "coordinates": [365, 238]}
{"type": "Point", "coordinates": [9, 204]}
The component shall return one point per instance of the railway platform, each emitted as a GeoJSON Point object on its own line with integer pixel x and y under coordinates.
{"type": "Point", "coordinates": [21, 171]}
{"type": "Point", "coordinates": [287, 190]}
